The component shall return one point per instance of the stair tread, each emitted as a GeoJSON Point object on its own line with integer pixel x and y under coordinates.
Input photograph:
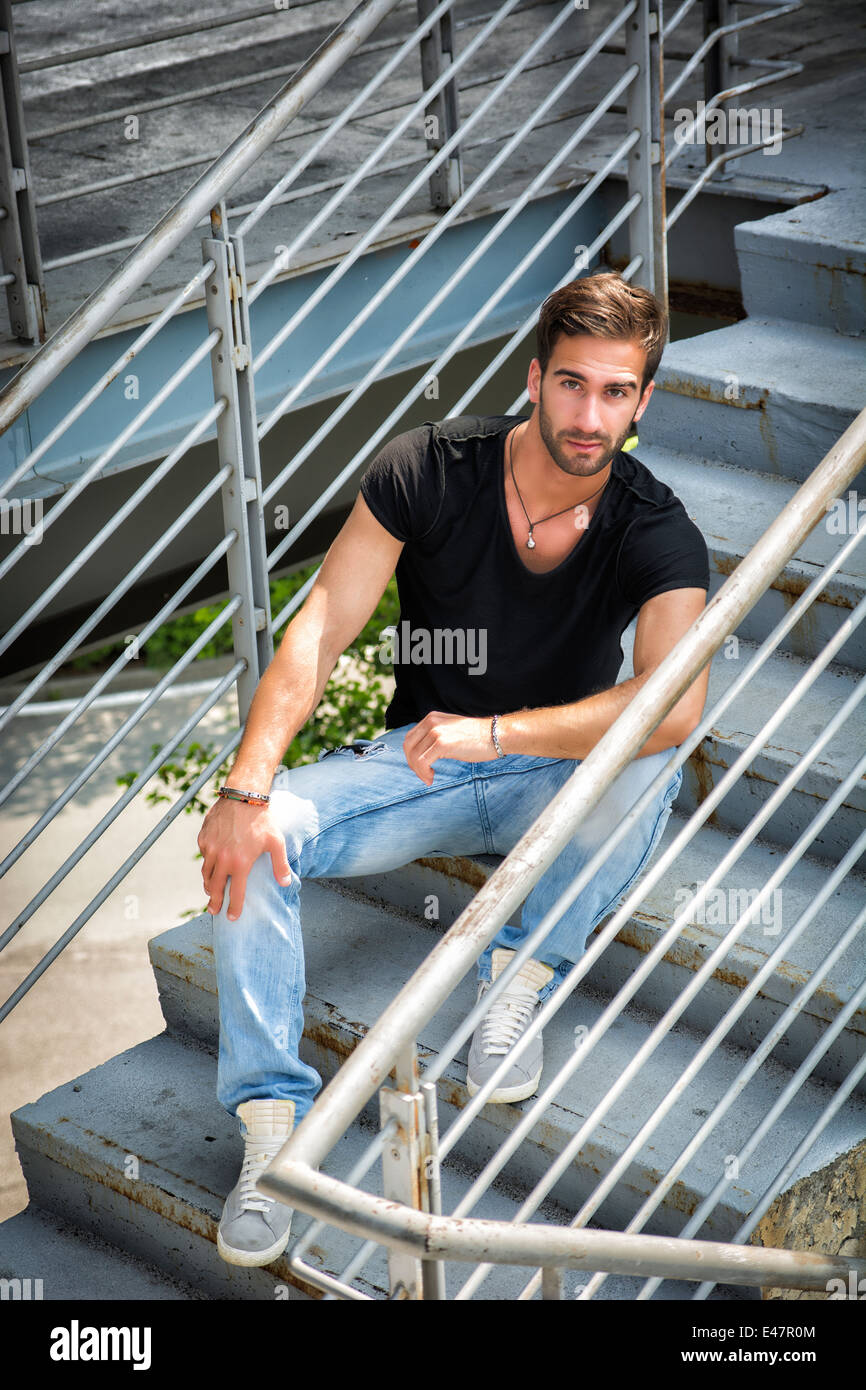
{"type": "Point", "coordinates": [73, 1264]}
{"type": "Point", "coordinates": [131, 1085]}
{"type": "Point", "coordinates": [813, 366]}
{"type": "Point", "coordinates": [791, 739]}
{"type": "Point", "coordinates": [831, 227]}
{"type": "Point", "coordinates": [341, 932]}
{"type": "Point", "coordinates": [733, 507]}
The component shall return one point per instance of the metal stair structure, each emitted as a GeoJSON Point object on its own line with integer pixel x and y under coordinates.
{"type": "Point", "coordinates": [127, 1166]}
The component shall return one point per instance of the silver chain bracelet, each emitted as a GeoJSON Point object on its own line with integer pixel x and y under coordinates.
{"type": "Point", "coordinates": [495, 736]}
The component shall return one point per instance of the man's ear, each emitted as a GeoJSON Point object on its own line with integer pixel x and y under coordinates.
{"type": "Point", "coordinates": [533, 380]}
{"type": "Point", "coordinates": [644, 400]}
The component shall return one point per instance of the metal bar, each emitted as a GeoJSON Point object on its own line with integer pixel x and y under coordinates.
{"type": "Point", "coordinates": [551, 1284]}
{"type": "Point", "coordinates": [719, 35]}
{"type": "Point", "coordinates": [106, 379]}
{"type": "Point", "coordinates": [96, 467]}
{"type": "Point", "coordinates": [662, 1028]}
{"type": "Point", "coordinates": [371, 163]}
{"type": "Point", "coordinates": [796, 1158]}
{"type": "Point", "coordinates": [701, 1056]}
{"type": "Point", "coordinates": [359, 1171]}
{"type": "Point", "coordinates": [122, 801]}
{"type": "Point", "coordinates": [504, 891]}
{"type": "Point", "coordinates": [679, 15]}
{"type": "Point", "coordinates": [439, 1237]}
{"type": "Point", "coordinates": [409, 263]}
{"type": "Point", "coordinates": [108, 603]}
{"type": "Point", "coordinates": [19, 234]}
{"type": "Point", "coordinates": [402, 1178]}
{"type": "Point", "coordinates": [432, 1271]}
{"type": "Point", "coordinates": [177, 31]}
{"type": "Point", "coordinates": [121, 661]}
{"type": "Point", "coordinates": [117, 520]}
{"type": "Point", "coordinates": [683, 136]}
{"type": "Point", "coordinates": [330, 127]}
{"type": "Point", "coordinates": [238, 449]}
{"type": "Point", "coordinates": [194, 94]}
{"type": "Point", "coordinates": [642, 234]}
{"type": "Point", "coordinates": [658, 172]}
{"type": "Point", "coordinates": [99, 308]}
{"type": "Point", "coordinates": [755, 1061]}
{"type": "Point", "coordinates": [723, 159]}
{"type": "Point", "coordinates": [622, 914]}
{"type": "Point", "coordinates": [441, 118]}
{"type": "Point", "coordinates": [129, 863]}
{"type": "Point", "coordinates": [144, 705]}
{"type": "Point", "coordinates": [718, 73]}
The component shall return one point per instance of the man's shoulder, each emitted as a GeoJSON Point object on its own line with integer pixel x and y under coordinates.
{"type": "Point", "coordinates": [643, 491]}
{"type": "Point", "coordinates": [465, 428]}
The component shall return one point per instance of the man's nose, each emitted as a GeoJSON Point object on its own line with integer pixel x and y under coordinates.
{"type": "Point", "coordinates": [589, 418]}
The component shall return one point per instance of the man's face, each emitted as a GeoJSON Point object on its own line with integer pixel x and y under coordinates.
{"type": "Point", "coordinates": [588, 399]}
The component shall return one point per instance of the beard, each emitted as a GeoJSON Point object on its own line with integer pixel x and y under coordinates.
{"type": "Point", "coordinates": [575, 465]}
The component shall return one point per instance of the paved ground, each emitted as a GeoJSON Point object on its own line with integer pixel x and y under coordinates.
{"type": "Point", "coordinates": [99, 997]}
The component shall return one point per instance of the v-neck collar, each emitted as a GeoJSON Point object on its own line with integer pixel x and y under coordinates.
{"type": "Point", "coordinates": [579, 544]}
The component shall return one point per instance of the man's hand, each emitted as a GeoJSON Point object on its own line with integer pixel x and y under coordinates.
{"type": "Point", "coordinates": [441, 735]}
{"type": "Point", "coordinates": [231, 839]}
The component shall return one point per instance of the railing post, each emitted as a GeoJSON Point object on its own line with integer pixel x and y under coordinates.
{"type": "Point", "coordinates": [404, 1166]}
{"type": "Point", "coordinates": [646, 235]}
{"type": "Point", "coordinates": [237, 444]}
{"type": "Point", "coordinates": [441, 117]}
{"type": "Point", "coordinates": [719, 76]}
{"type": "Point", "coordinates": [19, 238]}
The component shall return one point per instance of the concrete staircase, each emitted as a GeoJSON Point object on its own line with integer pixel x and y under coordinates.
{"type": "Point", "coordinates": [128, 1165]}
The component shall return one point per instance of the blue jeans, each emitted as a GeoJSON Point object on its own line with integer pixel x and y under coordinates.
{"type": "Point", "coordinates": [365, 812]}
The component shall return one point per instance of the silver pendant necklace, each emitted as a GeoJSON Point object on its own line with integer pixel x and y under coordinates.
{"type": "Point", "coordinates": [530, 544]}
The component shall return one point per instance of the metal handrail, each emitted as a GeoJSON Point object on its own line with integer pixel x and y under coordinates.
{"type": "Point", "coordinates": [368, 1066]}
{"type": "Point", "coordinates": [93, 315]}
{"type": "Point", "coordinates": [431, 1237]}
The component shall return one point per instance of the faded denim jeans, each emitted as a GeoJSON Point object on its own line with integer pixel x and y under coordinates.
{"type": "Point", "coordinates": [360, 809]}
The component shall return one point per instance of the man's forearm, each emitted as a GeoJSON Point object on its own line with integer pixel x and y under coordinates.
{"type": "Point", "coordinates": [286, 696]}
{"type": "Point", "coordinates": [572, 731]}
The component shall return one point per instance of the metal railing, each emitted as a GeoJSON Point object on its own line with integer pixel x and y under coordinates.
{"type": "Point", "coordinates": [717, 56]}
{"type": "Point", "coordinates": [713, 63]}
{"type": "Point", "coordinates": [410, 1126]}
{"type": "Point", "coordinates": [235, 362]}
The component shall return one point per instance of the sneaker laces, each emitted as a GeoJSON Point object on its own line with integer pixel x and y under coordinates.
{"type": "Point", "coordinates": [257, 1155]}
{"type": "Point", "coordinates": [508, 1017]}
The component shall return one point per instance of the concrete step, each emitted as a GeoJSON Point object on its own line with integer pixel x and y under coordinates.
{"type": "Point", "coordinates": [733, 507]}
{"type": "Point", "coordinates": [343, 933]}
{"type": "Point", "coordinates": [453, 883]}
{"type": "Point", "coordinates": [762, 394]}
{"type": "Point", "coordinates": [807, 264]}
{"type": "Point", "coordinates": [56, 1261]}
{"type": "Point", "coordinates": [76, 1146]}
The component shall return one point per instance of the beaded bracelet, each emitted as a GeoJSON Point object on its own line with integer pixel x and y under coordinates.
{"type": "Point", "coordinates": [251, 798]}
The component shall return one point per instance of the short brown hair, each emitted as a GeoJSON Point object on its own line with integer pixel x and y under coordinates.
{"type": "Point", "coordinates": [605, 306]}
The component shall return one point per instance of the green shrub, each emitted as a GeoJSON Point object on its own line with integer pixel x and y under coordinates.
{"type": "Point", "coordinates": [352, 706]}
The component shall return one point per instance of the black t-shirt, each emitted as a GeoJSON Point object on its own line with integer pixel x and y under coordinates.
{"type": "Point", "coordinates": [479, 633]}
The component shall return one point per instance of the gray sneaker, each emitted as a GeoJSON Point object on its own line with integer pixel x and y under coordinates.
{"type": "Point", "coordinates": [254, 1229]}
{"type": "Point", "coordinates": [507, 1019]}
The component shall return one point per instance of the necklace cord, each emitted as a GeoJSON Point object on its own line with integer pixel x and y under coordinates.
{"type": "Point", "coordinates": [572, 507]}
